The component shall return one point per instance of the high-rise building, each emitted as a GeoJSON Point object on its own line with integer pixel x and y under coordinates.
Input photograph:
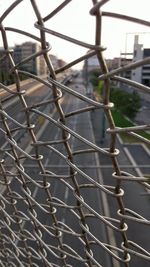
{"type": "Point", "coordinates": [136, 74]}
{"type": "Point", "coordinates": [35, 65]}
{"type": "Point", "coordinates": [141, 74]}
{"type": "Point", "coordinates": [146, 68]}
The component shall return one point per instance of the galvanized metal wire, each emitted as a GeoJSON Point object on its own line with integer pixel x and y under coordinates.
{"type": "Point", "coordinates": [25, 240]}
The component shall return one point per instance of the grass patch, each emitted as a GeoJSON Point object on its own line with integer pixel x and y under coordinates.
{"type": "Point", "coordinates": [122, 122]}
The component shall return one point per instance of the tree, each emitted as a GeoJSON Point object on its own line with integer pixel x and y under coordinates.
{"type": "Point", "coordinates": [93, 77]}
{"type": "Point", "coordinates": [127, 103]}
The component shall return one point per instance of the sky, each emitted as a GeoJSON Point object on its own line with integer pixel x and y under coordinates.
{"type": "Point", "coordinates": [74, 20]}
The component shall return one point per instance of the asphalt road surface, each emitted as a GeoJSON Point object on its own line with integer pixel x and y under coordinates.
{"type": "Point", "coordinates": [52, 162]}
{"type": "Point", "coordinates": [136, 197]}
{"type": "Point", "coordinates": [98, 167]}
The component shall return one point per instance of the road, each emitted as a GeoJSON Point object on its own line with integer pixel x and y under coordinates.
{"type": "Point", "coordinates": [82, 125]}
{"type": "Point", "coordinates": [97, 167]}
{"type": "Point", "coordinates": [143, 114]}
{"type": "Point", "coordinates": [135, 197]}
{"type": "Point", "coordinates": [87, 163]}
{"type": "Point", "coordinates": [15, 109]}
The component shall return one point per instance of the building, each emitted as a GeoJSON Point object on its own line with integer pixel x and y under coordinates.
{"type": "Point", "coordinates": [136, 74]}
{"type": "Point", "coordinates": [20, 52]}
{"type": "Point", "coordinates": [54, 61]}
{"type": "Point", "coordinates": [4, 60]}
{"type": "Point", "coordinates": [146, 68]}
{"type": "Point", "coordinates": [34, 65]}
{"type": "Point", "coordinates": [141, 74]}
{"type": "Point", "coordinates": [92, 64]}
{"type": "Point", "coordinates": [125, 59]}
{"type": "Point", "coordinates": [5, 66]}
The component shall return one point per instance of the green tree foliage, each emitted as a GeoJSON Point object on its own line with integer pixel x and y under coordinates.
{"type": "Point", "coordinates": [93, 78]}
{"type": "Point", "coordinates": [99, 87]}
{"type": "Point", "coordinates": [127, 103]}
{"type": "Point", "coordinates": [97, 84]}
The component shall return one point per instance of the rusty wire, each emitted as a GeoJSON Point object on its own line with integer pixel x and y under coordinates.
{"type": "Point", "coordinates": [23, 241]}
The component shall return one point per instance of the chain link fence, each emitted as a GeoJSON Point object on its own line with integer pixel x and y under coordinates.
{"type": "Point", "coordinates": [47, 214]}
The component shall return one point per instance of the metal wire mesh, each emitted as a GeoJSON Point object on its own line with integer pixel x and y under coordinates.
{"type": "Point", "coordinates": [47, 217]}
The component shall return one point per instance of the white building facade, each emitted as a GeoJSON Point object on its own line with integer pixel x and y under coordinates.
{"type": "Point", "coordinates": [140, 74]}
{"type": "Point", "coordinates": [136, 74]}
